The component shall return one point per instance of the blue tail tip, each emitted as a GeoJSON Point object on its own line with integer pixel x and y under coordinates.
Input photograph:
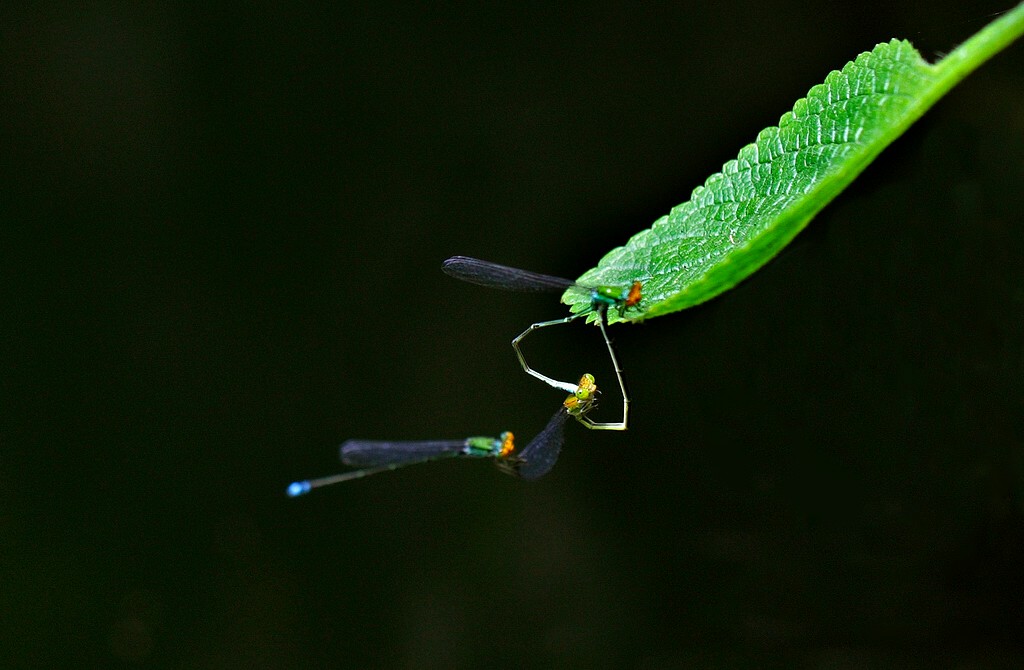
{"type": "Point", "coordinates": [296, 489]}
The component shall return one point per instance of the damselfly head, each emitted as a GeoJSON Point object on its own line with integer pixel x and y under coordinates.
{"type": "Point", "coordinates": [584, 398]}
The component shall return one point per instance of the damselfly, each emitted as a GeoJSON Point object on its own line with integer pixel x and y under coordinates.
{"type": "Point", "coordinates": [533, 462]}
{"type": "Point", "coordinates": [602, 298]}
{"type": "Point", "coordinates": [373, 456]}
{"type": "Point", "coordinates": [540, 455]}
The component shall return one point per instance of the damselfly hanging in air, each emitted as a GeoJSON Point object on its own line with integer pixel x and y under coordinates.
{"type": "Point", "coordinates": [373, 456]}
{"type": "Point", "coordinates": [540, 455]}
{"type": "Point", "coordinates": [602, 298]}
{"type": "Point", "coordinates": [533, 462]}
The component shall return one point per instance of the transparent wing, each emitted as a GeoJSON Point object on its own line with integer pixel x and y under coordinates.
{"type": "Point", "coordinates": [372, 453]}
{"type": "Point", "coordinates": [540, 455]}
{"type": "Point", "coordinates": [492, 275]}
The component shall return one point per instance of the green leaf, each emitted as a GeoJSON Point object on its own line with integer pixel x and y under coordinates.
{"type": "Point", "coordinates": [744, 215]}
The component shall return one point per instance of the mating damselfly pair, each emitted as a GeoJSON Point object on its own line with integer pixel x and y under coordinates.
{"type": "Point", "coordinates": [539, 456]}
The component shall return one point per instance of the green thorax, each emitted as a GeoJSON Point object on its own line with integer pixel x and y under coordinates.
{"type": "Point", "coordinates": [610, 296]}
{"type": "Point", "coordinates": [481, 446]}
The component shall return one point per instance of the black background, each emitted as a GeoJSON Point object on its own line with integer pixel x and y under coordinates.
{"type": "Point", "coordinates": [223, 225]}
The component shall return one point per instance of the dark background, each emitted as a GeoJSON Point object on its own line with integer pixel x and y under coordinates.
{"type": "Point", "coordinates": [223, 225]}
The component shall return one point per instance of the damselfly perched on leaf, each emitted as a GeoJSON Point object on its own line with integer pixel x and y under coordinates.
{"type": "Point", "coordinates": [602, 298]}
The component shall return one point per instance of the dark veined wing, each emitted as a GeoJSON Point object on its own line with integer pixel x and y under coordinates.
{"type": "Point", "coordinates": [540, 455]}
{"type": "Point", "coordinates": [492, 275]}
{"type": "Point", "coordinates": [371, 453]}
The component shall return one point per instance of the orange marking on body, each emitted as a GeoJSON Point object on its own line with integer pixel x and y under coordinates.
{"type": "Point", "coordinates": [508, 445]}
{"type": "Point", "coordinates": [634, 294]}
